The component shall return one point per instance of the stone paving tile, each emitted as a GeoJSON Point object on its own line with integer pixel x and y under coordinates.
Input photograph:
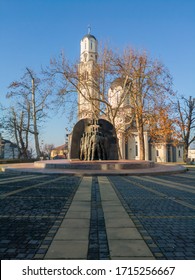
{"type": "Point", "coordinates": [132, 248]}
{"type": "Point", "coordinates": [78, 215]}
{"type": "Point", "coordinates": [73, 230]}
{"type": "Point", "coordinates": [75, 249]}
{"type": "Point", "coordinates": [31, 218]}
{"type": "Point", "coordinates": [183, 194]}
{"type": "Point", "coordinates": [30, 222]}
{"type": "Point", "coordinates": [168, 225]}
{"type": "Point", "coordinates": [75, 223]}
{"type": "Point", "coordinates": [72, 234]}
{"type": "Point", "coordinates": [123, 233]}
{"type": "Point", "coordinates": [98, 244]}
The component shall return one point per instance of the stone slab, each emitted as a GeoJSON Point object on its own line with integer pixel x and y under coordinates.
{"type": "Point", "coordinates": [79, 208]}
{"type": "Point", "coordinates": [72, 234]}
{"type": "Point", "coordinates": [75, 223]}
{"type": "Point", "coordinates": [129, 248]}
{"type": "Point", "coordinates": [78, 215]}
{"type": "Point", "coordinates": [123, 233]}
{"type": "Point", "coordinates": [68, 250]}
{"type": "Point", "coordinates": [112, 208]}
{"type": "Point", "coordinates": [71, 239]}
{"type": "Point", "coordinates": [111, 203]}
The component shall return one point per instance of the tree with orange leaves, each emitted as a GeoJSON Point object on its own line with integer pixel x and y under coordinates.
{"type": "Point", "coordinates": [163, 128]}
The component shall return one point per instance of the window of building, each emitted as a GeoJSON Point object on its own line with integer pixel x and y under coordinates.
{"type": "Point", "coordinates": [136, 149]}
{"type": "Point", "coordinates": [157, 153]}
{"type": "Point", "coordinates": [179, 153]}
{"type": "Point", "coordinates": [91, 45]}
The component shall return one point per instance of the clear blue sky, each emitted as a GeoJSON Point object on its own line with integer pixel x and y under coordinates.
{"type": "Point", "coordinates": [33, 31]}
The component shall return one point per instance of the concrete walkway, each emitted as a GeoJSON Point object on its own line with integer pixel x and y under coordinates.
{"type": "Point", "coordinates": [71, 239]}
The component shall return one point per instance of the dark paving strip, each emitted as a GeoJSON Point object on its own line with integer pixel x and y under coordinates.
{"type": "Point", "coordinates": [26, 187]}
{"type": "Point", "coordinates": [187, 176]}
{"type": "Point", "coordinates": [30, 223]}
{"type": "Point", "coordinates": [184, 179]}
{"type": "Point", "coordinates": [15, 178]}
{"type": "Point", "coordinates": [170, 190]}
{"type": "Point", "coordinates": [98, 244]}
{"type": "Point", "coordinates": [6, 176]}
{"type": "Point", "coordinates": [14, 186]}
{"type": "Point", "coordinates": [172, 237]}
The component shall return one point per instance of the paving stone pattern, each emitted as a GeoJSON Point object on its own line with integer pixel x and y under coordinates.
{"type": "Point", "coordinates": [98, 244]}
{"type": "Point", "coordinates": [167, 226]}
{"type": "Point", "coordinates": [33, 208]}
{"type": "Point", "coordinates": [29, 219]}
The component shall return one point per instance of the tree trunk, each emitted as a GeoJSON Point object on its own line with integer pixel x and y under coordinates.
{"type": "Point", "coordinates": [140, 129]}
{"type": "Point", "coordinates": [15, 132]}
{"type": "Point", "coordinates": [118, 148]}
{"type": "Point", "coordinates": [141, 143]}
{"type": "Point", "coordinates": [36, 134]}
{"type": "Point", "coordinates": [185, 154]}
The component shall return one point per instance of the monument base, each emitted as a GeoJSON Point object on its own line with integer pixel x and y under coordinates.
{"type": "Point", "coordinates": [94, 165]}
{"type": "Point", "coordinates": [95, 168]}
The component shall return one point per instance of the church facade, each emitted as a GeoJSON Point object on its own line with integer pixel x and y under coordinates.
{"type": "Point", "coordinates": [89, 102]}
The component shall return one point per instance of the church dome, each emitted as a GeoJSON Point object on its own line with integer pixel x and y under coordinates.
{"type": "Point", "coordinates": [120, 81]}
{"type": "Point", "coordinates": [89, 36]}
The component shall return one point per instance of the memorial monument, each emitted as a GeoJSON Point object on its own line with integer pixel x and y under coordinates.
{"type": "Point", "coordinates": [93, 140]}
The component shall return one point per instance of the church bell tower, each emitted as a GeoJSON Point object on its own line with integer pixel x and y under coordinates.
{"type": "Point", "coordinates": [88, 93]}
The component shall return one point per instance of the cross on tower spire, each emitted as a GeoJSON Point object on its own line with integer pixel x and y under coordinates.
{"type": "Point", "coordinates": [89, 29]}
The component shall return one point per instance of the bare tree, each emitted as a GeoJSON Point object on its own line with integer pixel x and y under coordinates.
{"type": "Point", "coordinates": [47, 148]}
{"type": "Point", "coordinates": [129, 86]}
{"type": "Point", "coordinates": [150, 85]}
{"type": "Point", "coordinates": [92, 88]}
{"type": "Point", "coordinates": [30, 97]}
{"type": "Point", "coordinates": [17, 124]}
{"type": "Point", "coordinates": [186, 121]}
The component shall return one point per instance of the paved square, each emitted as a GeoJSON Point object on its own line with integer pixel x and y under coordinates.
{"type": "Point", "coordinates": [108, 217]}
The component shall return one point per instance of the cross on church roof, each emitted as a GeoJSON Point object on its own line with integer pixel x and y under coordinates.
{"type": "Point", "coordinates": [89, 29]}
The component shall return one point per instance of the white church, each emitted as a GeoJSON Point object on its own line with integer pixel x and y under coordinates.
{"type": "Point", "coordinates": [129, 145]}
